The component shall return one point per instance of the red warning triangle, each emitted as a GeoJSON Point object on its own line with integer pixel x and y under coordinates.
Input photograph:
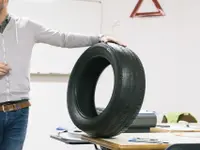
{"type": "Point", "coordinates": [160, 11]}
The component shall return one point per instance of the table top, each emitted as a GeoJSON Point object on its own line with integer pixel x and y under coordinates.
{"type": "Point", "coordinates": [169, 133]}
{"type": "Point", "coordinates": [121, 142]}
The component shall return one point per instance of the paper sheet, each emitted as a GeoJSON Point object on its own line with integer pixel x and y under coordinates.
{"type": "Point", "coordinates": [179, 127]}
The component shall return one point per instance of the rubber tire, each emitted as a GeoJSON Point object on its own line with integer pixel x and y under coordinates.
{"type": "Point", "coordinates": [128, 92]}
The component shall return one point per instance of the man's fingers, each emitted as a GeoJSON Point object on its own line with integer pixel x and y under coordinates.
{"type": "Point", "coordinates": [122, 44]}
{"type": "Point", "coordinates": [107, 39]}
{"type": "Point", "coordinates": [2, 73]}
{"type": "Point", "coordinates": [2, 64]}
{"type": "Point", "coordinates": [7, 67]}
{"type": "Point", "coordinates": [3, 70]}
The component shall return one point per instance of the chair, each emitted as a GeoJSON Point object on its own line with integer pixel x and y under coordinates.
{"type": "Point", "coordinates": [175, 117]}
{"type": "Point", "coordinates": [184, 146]}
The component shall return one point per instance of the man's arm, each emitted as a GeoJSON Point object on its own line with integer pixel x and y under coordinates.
{"type": "Point", "coordinates": [53, 37]}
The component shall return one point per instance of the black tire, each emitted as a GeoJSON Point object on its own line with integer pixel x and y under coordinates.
{"type": "Point", "coordinates": [127, 96]}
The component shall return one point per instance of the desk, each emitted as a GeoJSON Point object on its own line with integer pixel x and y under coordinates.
{"type": "Point", "coordinates": [176, 127]}
{"type": "Point", "coordinates": [121, 142]}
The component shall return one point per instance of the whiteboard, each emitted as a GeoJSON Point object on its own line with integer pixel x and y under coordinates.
{"type": "Point", "coordinates": [64, 15]}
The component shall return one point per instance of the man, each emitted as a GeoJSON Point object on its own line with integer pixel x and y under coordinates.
{"type": "Point", "coordinates": [17, 38]}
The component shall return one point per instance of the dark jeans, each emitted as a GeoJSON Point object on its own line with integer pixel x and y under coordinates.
{"type": "Point", "coordinates": [13, 127]}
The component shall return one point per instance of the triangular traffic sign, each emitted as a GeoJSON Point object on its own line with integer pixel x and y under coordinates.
{"type": "Point", "coordinates": [135, 12]}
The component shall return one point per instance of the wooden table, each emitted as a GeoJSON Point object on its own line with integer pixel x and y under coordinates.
{"type": "Point", "coordinates": [121, 142]}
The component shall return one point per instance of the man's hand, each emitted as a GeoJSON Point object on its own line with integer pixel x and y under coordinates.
{"type": "Point", "coordinates": [4, 69]}
{"type": "Point", "coordinates": [111, 39]}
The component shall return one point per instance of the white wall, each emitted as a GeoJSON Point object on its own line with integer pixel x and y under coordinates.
{"type": "Point", "coordinates": [168, 47]}
{"type": "Point", "coordinates": [57, 14]}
